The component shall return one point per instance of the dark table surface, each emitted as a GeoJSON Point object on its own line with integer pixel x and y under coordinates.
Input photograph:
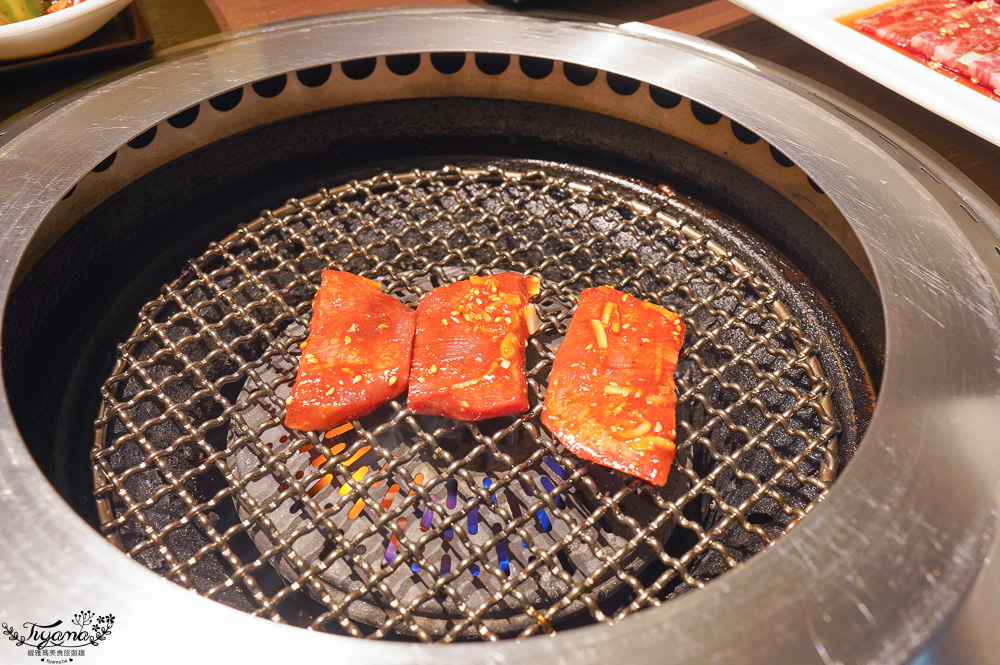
{"type": "Point", "coordinates": [173, 22]}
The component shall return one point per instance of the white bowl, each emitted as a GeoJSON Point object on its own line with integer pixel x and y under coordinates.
{"type": "Point", "coordinates": [53, 32]}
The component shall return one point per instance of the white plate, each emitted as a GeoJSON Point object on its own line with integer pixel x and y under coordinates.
{"type": "Point", "coordinates": [54, 32]}
{"type": "Point", "coordinates": [815, 21]}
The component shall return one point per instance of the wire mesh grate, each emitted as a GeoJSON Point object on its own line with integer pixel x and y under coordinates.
{"type": "Point", "coordinates": [410, 527]}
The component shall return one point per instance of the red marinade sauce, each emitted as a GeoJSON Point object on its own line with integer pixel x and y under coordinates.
{"type": "Point", "coordinates": [611, 396]}
{"type": "Point", "coordinates": [469, 348]}
{"type": "Point", "coordinates": [357, 354]}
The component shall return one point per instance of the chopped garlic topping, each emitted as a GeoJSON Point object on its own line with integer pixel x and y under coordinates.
{"type": "Point", "coordinates": [606, 315]}
{"type": "Point", "coordinates": [602, 337]}
{"type": "Point", "coordinates": [531, 318]}
{"type": "Point", "coordinates": [642, 428]}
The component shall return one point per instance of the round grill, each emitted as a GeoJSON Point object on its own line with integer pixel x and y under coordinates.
{"type": "Point", "coordinates": [423, 528]}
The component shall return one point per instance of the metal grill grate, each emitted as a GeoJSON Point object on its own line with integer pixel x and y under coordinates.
{"type": "Point", "coordinates": [422, 528]}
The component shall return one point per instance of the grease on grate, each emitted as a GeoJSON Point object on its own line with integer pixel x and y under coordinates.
{"type": "Point", "coordinates": [423, 528]}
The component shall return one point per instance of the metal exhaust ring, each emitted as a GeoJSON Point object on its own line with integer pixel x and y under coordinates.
{"type": "Point", "coordinates": [930, 238]}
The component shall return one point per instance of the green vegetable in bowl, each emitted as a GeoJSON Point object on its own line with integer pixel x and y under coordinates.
{"type": "Point", "coordinates": [20, 10]}
{"type": "Point", "coordinates": [12, 11]}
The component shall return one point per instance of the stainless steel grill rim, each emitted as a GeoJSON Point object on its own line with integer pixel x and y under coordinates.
{"type": "Point", "coordinates": [927, 199]}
